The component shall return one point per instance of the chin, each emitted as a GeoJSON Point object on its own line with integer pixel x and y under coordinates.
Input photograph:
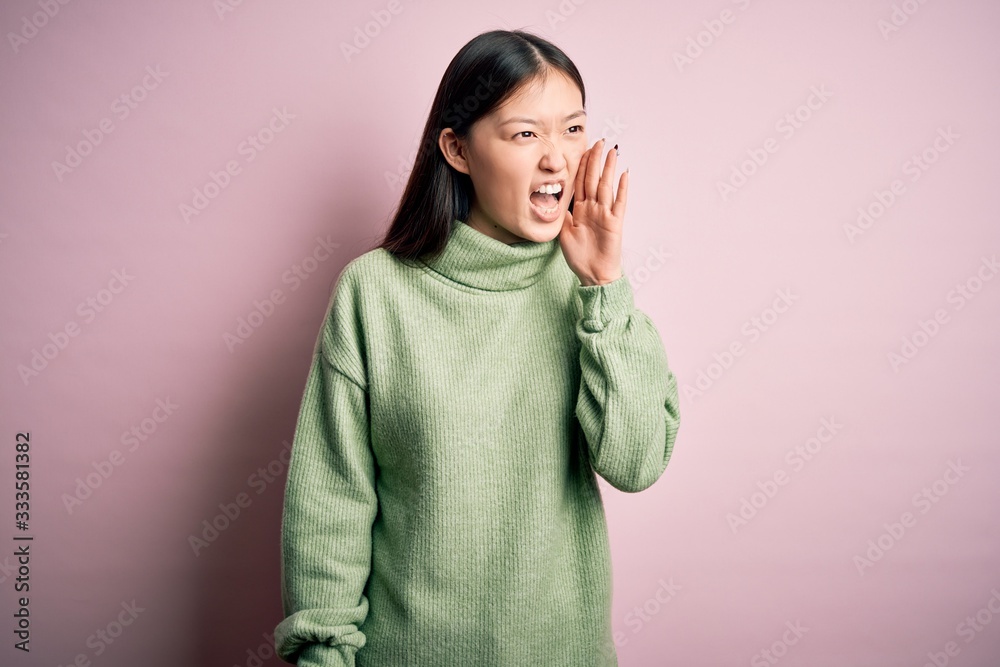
{"type": "Point", "coordinates": [539, 232]}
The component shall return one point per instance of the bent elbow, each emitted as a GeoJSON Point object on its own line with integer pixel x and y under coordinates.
{"type": "Point", "coordinates": [639, 472]}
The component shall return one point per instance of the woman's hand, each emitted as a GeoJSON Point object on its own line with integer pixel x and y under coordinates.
{"type": "Point", "coordinates": [591, 236]}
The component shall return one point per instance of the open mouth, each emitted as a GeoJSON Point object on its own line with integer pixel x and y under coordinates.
{"type": "Point", "coordinates": [547, 201]}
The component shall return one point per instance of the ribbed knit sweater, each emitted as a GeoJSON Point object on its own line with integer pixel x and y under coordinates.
{"type": "Point", "coordinates": [441, 507]}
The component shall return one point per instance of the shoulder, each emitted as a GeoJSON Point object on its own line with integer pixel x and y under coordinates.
{"type": "Point", "coordinates": [364, 286]}
{"type": "Point", "coordinates": [361, 280]}
{"type": "Point", "coordinates": [370, 273]}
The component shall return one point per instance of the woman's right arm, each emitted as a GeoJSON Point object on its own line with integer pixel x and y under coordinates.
{"type": "Point", "coordinates": [329, 507]}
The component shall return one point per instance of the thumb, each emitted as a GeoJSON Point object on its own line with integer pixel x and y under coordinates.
{"type": "Point", "coordinates": [567, 220]}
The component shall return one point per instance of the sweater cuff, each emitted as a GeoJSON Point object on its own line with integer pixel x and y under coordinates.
{"type": "Point", "coordinates": [604, 303]}
{"type": "Point", "coordinates": [323, 655]}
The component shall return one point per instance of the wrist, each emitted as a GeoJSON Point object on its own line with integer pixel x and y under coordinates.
{"type": "Point", "coordinates": [594, 281]}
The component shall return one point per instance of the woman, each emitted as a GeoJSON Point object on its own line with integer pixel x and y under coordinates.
{"type": "Point", "coordinates": [471, 376]}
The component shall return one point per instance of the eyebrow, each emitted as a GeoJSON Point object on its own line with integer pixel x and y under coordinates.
{"type": "Point", "coordinates": [531, 121]}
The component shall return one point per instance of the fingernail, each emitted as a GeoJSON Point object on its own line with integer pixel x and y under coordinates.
{"type": "Point", "coordinates": [616, 150]}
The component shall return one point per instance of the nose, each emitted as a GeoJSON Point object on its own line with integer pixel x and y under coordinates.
{"type": "Point", "coordinates": [553, 157]}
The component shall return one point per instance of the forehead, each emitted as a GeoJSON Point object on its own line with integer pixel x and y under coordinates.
{"type": "Point", "coordinates": [552, 98]}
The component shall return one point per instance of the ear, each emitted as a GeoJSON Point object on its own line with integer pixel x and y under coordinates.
{"type": "Point", "coordinates": [453, 149]}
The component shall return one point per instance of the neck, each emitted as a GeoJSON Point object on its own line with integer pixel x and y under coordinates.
{"type": "Point", "coordinates": [476, 260]}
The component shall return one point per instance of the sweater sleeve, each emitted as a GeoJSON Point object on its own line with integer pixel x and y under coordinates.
{"type": "Point", "coordinates": [329, 507]}
{"type": "Point", "coordinates": [628, 401]}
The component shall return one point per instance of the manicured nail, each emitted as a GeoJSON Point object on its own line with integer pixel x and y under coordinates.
{"type": "Point", "coordinates": [616, 150]}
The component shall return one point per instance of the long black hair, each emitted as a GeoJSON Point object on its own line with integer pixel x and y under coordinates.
{"type": "Point", "coordinates": [481, 77]}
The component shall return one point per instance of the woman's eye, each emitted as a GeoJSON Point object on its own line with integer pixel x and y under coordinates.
{"type": "Point", "coordinates": [578, 128]}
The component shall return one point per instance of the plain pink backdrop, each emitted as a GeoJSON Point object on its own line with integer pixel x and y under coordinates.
{"type": "Point", "coordinates": [808, 110]}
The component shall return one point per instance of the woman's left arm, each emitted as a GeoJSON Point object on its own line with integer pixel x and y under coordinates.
{"type": "Point", "coordinates": [628, 401]}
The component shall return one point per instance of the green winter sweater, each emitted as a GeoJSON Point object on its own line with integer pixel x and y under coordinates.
{"type": "Point", "coordinates": [441, 507]}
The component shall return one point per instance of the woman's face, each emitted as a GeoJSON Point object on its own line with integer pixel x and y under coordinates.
{"type": "Point", "coordinates": [537, 137]}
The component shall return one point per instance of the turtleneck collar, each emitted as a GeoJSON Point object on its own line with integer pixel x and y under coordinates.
{"type": "Point", "coordinates": [476, 260]}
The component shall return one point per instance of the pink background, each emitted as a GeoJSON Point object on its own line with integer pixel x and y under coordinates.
{"type": "Point", "coordinates": [693, 586]}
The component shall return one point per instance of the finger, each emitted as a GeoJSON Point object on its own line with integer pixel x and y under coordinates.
{"type": "Point", "coordinates": [618, 210]}
{"type": "Point", "coordinates": [604, 193]}
{"type": "Point", "coordinates": [593, 169]}
{"type": "Point", "coordinates": [581, 172]}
